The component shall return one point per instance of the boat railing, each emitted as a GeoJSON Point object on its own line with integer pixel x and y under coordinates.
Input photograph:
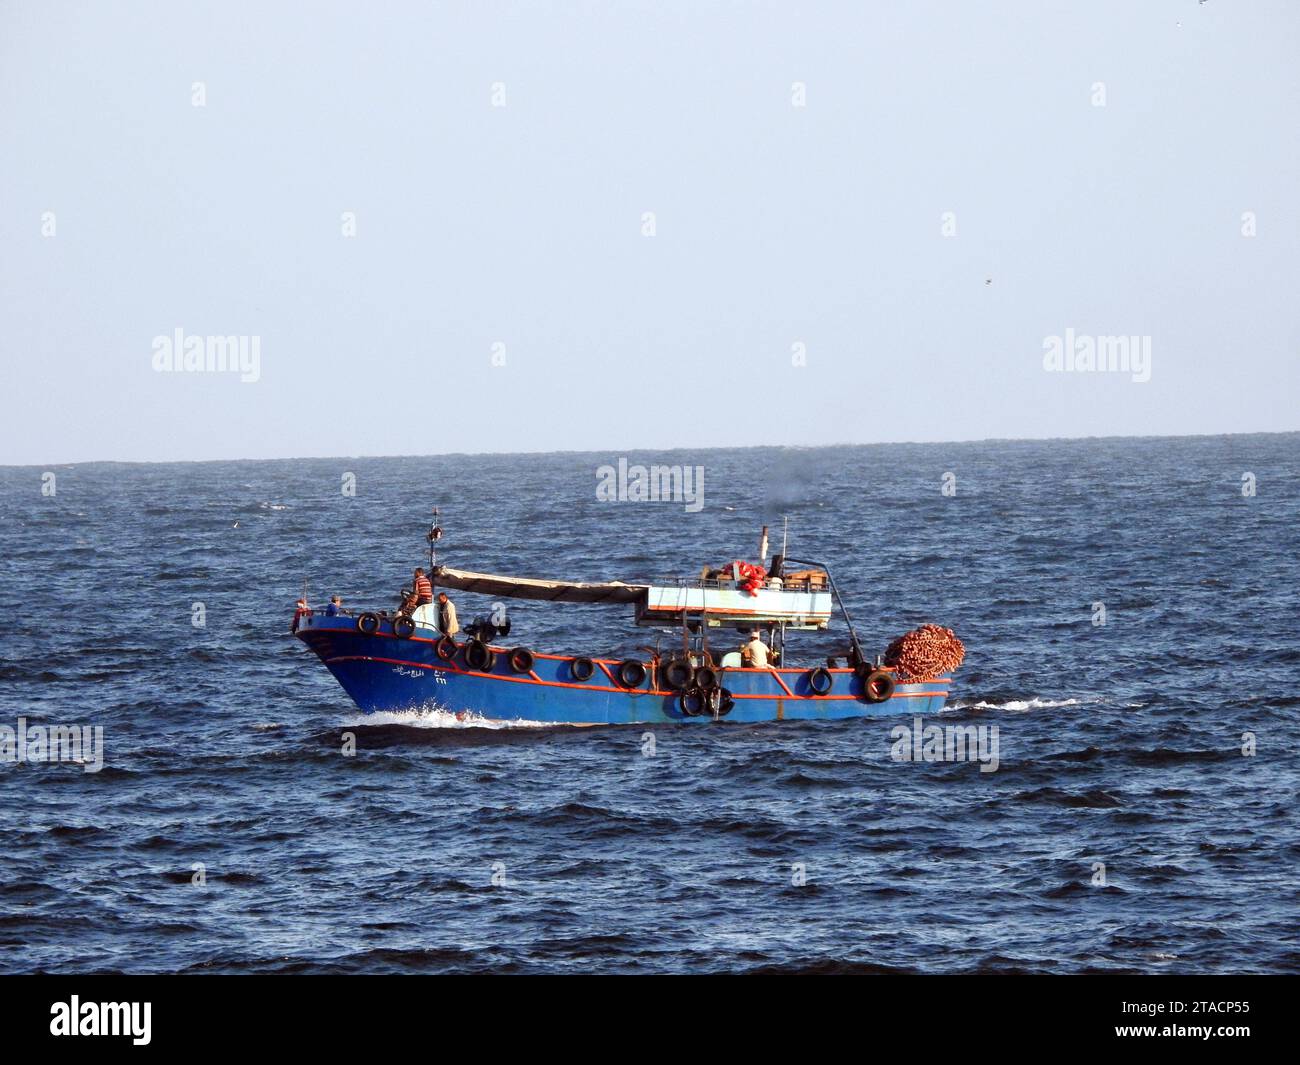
{"type": "Point", "coordinates": [352, 612]}
{"type": "Point", "coordinates": [786, 585]}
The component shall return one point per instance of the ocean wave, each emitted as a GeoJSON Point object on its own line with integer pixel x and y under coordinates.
{"type": "Point", "coordinates": [798, 846]}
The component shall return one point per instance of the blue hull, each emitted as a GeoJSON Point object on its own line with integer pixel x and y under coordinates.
{"type": "Point", "coordinates": [386, 672]}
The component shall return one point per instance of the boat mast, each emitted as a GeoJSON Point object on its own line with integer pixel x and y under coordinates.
{"type": "Point", "coordinates": [435, 534]}
{"type": "Point", "coordinates": [785, 544]}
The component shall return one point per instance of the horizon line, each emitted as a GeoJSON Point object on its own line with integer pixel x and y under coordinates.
{"type": "Point", "coordinates": [676, 447]}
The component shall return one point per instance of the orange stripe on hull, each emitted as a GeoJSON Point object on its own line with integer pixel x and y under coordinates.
{"type": "Point", "coordinates": [448, 667]}
{"type": "Point", "coordinates": [795, 670]}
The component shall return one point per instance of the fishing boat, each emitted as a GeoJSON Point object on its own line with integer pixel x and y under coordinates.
{"type": "Point", "coordinates": [399, 660]}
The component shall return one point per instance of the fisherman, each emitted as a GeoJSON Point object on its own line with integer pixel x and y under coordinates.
{"type": "Point", "coordinates": [755, 653]}
{"type": "Point", "coordinates": [417, 600]}
{"type": "Point", "coordinates": [302, 610]}
{"type": "Point", "coordinates": [335, 608]}
{"type": "Point", "coordinates": [447, 623]}
{"type": "Point", "coordinates": [423, 588]}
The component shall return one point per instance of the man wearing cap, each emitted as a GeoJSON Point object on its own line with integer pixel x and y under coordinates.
{"type": "Point", "coordinates": [754, 654]}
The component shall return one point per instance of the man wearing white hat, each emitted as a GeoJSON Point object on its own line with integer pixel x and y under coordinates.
{"type": "Point", "coordinates": [754, 654]}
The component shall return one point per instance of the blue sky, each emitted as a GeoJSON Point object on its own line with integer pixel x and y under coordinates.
{"type": "Point", "coordinates": [523, 225]}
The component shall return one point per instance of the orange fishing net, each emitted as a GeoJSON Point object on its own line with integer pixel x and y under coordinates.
{"type": "Point", "coordinates": [925, 653]}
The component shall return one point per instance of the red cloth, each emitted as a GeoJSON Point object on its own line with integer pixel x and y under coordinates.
{"type": "Point", "coordinates": [751, 577]}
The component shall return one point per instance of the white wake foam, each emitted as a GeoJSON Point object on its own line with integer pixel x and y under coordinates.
{"type": "Point", "coordinates": [432, 717]}
{"type": "Point", "coordinates": [1016, 705]}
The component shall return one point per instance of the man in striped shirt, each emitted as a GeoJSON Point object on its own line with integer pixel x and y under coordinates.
{"type": "Point", "coordinates": [423, 588]}
{"type": "Point", "coordinates": [421, 608]}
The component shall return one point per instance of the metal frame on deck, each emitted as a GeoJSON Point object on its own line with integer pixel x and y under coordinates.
{"type": "Point", "coordinates": [848, 621]}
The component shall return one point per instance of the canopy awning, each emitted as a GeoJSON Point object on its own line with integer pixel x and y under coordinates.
{"type": "Point", "coordinates": [528, 588]}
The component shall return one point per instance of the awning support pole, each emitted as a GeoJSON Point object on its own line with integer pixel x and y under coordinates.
{"type": "Point", "coordinates": [853, 635]}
